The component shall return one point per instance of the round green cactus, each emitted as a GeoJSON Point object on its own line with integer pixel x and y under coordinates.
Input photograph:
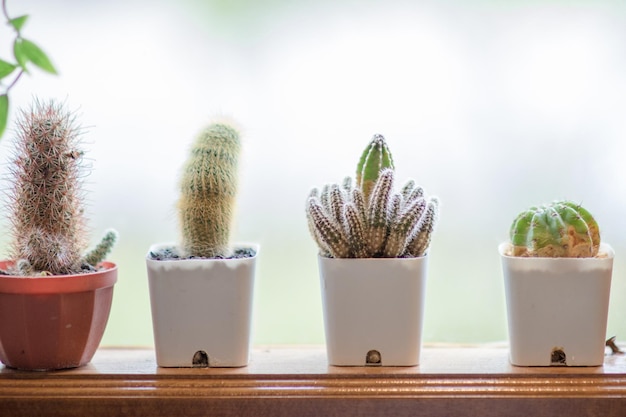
{"type": "Point", "coordinates": [561, 229]}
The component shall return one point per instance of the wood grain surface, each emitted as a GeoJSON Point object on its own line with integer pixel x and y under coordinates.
{"type": "Point", "coordinates": [296, 381]}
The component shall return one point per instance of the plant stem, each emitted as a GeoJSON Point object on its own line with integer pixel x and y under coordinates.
{"type": "Point", "coordinates": [10, 86]}
{"type": "Point", "coordinates": [5, 12]}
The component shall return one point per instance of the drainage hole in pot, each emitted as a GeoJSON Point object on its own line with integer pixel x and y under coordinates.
{"type": "Point", "coordinates": [373, 358]}
{"type": "Point", "coordinates": [557, 357]}
{"type": "Point", "coordinates": [200, 359]}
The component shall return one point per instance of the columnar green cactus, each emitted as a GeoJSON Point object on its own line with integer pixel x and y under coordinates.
{"type": "Point", "coordinates": [47, 214]}
{"type": "Point", "coordinates": [374, 159]}
{"type": "Point", "coordinates": [207, 192]}
{"type": "Point", "coordinates": [559, 229]}
{"type": "Point", "coordinates": [347, 225]}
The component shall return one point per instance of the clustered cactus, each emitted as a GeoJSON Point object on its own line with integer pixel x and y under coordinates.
{"type": "Point", "coordinates": [46, 199]}
{"type": "Point", "coordinates": [207, 192]}
{"type": "Point", "coordinates": [560, 229]}
{"type": "Point", "coordinates": [369, 220]}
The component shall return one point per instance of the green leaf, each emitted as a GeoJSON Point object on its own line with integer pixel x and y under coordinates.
{"type": "Point", "coordinates": [34, 54]}
{"type": "Point", "coordinates": [18, 22]}
{"type": "Point", "coordinates": [4, 112]}
{"type": "Point", "coordinates": [20, 55]}
{"type": "Point", "coordinates": [6, 68]}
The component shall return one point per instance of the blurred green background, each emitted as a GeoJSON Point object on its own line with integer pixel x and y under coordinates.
{"type": "Point", "coordinates": [493, 106]}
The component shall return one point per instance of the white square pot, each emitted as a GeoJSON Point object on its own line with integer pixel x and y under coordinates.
{"type": "Point", "coordinates": [373, 309]}
{"type": "Point", "coordinates": [201, 310]}
{"type": "Point", "coordinates": [557, 308]}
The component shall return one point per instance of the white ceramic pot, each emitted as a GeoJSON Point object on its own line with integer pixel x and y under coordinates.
{"type": "Point", "coordinates": [201, 310]}
{"type": "Point", "coordinates": [557, 308]}
{"type": "Point", "coordinates": [373, 310]}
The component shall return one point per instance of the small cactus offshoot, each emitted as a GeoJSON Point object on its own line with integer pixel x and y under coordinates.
{"type": "Point", "coordinates": [46, 199]}
{"type": "Point", "coordinates": [102, 249]}
{"type": "Point", "coordinates": [207, 192]}
{"type": "Point", "coordinates": [346, 223]}
{"type": "Point", "coordinates": [559, 229]}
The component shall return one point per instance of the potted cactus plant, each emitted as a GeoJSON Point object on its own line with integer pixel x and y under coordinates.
{"type": "Point", "coordinates": [55, 299]}
{"type": "Point", "coordinates": [201, 290]}
{"type": "Point", "coordinates": [557, 277]}
{"type": "Point", "coordinates": [373, 244]}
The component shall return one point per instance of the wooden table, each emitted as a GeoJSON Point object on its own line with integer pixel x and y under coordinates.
{"type": "Point", "coordinates": [284, 381]}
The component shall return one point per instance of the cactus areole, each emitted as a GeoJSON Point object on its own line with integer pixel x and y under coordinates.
{"type": "Point", "coordinates": [562, 229]}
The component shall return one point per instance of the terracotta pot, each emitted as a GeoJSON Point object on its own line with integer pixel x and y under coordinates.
{"type": "Point", "coordinates": [557, 308]}
{"type": "Point", "coordinates": [53, 322]}
{"type": "Point", "coordinates": [373, 310]}
{"type": "Point", "coordinates": [202, 310]}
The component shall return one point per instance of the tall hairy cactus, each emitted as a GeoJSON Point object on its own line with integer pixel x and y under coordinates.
{"type": "Point", "coordinates": [46, 198]}
{"type": "Point", "coordinates": [207, 192]}
{"type": "Point", "coordinates": [558, 229]}
{"type": "Point", "coordinates": [347, 224]}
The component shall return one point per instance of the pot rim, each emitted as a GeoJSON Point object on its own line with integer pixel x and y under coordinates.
{"type": "Point", "coordinates": [58, 284]}
{"type": "Point", "coordinates": [237, 245]}
{"type": "Point", "coordinates": [379, 260]}
{"type": "Point", "coordinates": [605, 249]}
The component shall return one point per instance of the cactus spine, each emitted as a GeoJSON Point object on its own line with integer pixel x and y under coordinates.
{"type": "Point", "coordinates": [345, 224]}
{"type": "Point", "coordinates": [207, 192]}
{"type": "Point", "coordinates": [559, 229]}
{"type": "Point", "coordinates": [46, 199]}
